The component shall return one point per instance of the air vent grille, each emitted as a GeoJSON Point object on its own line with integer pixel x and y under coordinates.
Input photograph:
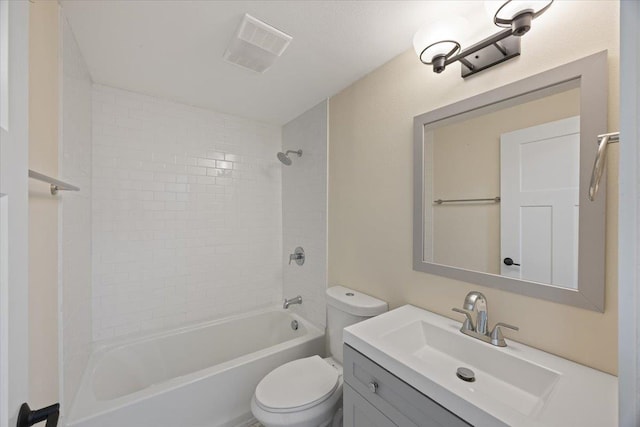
{"type": "Point", "coordinates": [256, 45]}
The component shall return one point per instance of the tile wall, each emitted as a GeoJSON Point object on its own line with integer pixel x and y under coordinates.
{"type": "Point", "coordinates": [304, 206]}
{"type": "Point", "coordinates": [187, 214]}
{"type": "Point", "coordinates": [75, 216]}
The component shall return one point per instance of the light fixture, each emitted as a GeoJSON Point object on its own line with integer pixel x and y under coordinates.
{"type": "Point", "coordinates": [444, 47]}
{"type": "Point", "coordinates": [518, 14]}
{"type": "Point", "coordinates": [435, 45]}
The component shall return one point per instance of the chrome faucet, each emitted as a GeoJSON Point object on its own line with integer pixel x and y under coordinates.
{"type": "Point", "coordinates": [476, 303]}
{"type": "Point", "coordinates": [298, 256]}
{"type": "Point", "coordinates": [288, 302]}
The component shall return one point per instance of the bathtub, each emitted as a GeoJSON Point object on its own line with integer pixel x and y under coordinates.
{"type": "Point", "coordinates": [198, 376]}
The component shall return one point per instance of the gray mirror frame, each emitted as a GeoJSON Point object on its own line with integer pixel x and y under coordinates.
{"type": "Point", "coordinates": [593, 77]}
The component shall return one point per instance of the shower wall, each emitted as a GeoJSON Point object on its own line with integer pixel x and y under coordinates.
{"type": "Point", "coordinates": [187, 213]}
{"type": "Point", "coordinates": [74, 217]}
{"type": "Point", "coordinates": [304, 206]}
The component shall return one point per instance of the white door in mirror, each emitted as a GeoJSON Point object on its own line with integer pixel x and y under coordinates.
{"type": "Point", "coordinates": [539, 186]}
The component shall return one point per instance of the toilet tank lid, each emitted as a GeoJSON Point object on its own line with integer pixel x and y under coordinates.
{"type": "Point", "coordinates": [354, 302]}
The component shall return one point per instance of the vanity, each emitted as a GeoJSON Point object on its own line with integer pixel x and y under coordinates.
{"type": "Point", "coordinates": [375, 397]}
{"type": "Point", "coordinates": [503, 198]}
{"type": "Point", "coordinates": [400, 369]}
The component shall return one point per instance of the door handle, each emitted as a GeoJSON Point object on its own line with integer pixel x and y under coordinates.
{"type": "Point", "coordinates": [27, 417]}
{"type": "Point", "coordinates": [509, 261]}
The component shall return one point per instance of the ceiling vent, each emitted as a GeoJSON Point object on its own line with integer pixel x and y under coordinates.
{"type": "Point", "coordinates": [256, 45]}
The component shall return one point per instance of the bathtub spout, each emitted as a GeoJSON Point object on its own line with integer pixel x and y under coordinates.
{"type": "Point", "coordinates": [288, 302]}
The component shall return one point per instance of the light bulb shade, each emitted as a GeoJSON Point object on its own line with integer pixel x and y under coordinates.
{"type": "Point", "coordinates": [491, 7]}
{"type": "Point", "coordinates": [438, 39]}
{"type": "Point", "coordinates": [442, 49]}
{"type": "Point", "coordinates": [511, 10]}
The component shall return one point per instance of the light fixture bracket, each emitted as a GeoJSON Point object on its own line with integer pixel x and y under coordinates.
{"type": "Point", "coordinates": [491, 51]}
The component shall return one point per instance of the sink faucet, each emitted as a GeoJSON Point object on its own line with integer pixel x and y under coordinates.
{"type": "Point", "coordinates": [288, 302]}
{"type": "Point", "coordinates": [476, 303]}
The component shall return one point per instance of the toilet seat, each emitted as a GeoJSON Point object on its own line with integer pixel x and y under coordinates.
{"type": "Point", "coordinates": [297, 385]}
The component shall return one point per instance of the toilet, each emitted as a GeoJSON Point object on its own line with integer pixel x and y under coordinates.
{"type": "Point", "coordinates": [308, 392]}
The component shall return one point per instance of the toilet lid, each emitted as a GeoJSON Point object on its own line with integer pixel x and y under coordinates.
{"type": "Point", "coordinates": [303, 382]}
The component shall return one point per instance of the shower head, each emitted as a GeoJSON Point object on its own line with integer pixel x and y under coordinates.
{"type": "Point", "coordinates": [284, 157]}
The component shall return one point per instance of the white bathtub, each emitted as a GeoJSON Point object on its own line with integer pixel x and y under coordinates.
{"type": "Point", "coordinates": [200, 376]}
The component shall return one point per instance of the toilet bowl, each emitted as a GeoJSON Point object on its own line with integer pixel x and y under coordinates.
{"type": "Point", "coordinates": [303, 393]}
{"type": "Point", "coordinates": [308, 392]}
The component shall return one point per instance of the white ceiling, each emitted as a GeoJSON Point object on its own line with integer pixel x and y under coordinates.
{"type": "Point", "coordinates": [173, 49]}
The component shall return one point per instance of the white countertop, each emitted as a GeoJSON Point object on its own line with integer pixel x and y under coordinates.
{"type": "Point", "coordinates": [516, 385]}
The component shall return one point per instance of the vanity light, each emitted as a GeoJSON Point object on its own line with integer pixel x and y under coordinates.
{"type": "Point", "coordinates": [435, 45]}
{"type": "Point", "coordinates": [518, 14]}
{"type": "Point", "coordinates": [445, 46]}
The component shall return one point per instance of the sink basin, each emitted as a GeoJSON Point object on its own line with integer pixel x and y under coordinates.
{"type": "Point", "coordinates": [515, 382]}
{"type": "Point", "coordinates": [514, 386]}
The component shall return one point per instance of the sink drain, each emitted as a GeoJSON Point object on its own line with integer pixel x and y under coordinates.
{"type": "Point", "coordinates": [466, 374]}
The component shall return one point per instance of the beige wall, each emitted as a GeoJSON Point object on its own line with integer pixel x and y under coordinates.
{"type": "Point", "coordinates": [466, 164]}
{"type": "Point", "coordinates": [370, 183]}
{"type": "Point", "coordinates": [43, 207]}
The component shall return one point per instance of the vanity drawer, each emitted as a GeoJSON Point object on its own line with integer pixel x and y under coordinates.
{"type": "Point", "coordinates": [358, 412]}
{"type": "Point", "coordinates": [398, 401]}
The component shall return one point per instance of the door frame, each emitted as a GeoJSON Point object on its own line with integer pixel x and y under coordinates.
{"type": "Point", "coordinates": [14, 151]}
{"type": "Point", "coordinates": [629, 218]}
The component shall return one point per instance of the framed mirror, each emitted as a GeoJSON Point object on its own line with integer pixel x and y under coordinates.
{"type": "Point", "coordinates": [501, 187]}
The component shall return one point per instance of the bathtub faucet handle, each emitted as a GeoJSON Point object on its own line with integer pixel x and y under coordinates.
{"type": "Point", "coordinates": [288, 302]}
{"type": "Point", "coordinates": [297, 256]}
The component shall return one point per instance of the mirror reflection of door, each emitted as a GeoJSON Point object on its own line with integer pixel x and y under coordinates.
{"type": "Point", "coordinates": [539, 186]}
{"type": "Point", "coordinates": [462, 161]}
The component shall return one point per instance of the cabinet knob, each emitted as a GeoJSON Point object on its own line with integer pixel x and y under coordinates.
{"type": "Point", "coordinates": [373, 386]}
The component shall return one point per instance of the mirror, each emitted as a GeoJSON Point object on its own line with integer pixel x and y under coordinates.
{"type": "Point", "coordinates": [501, 182]}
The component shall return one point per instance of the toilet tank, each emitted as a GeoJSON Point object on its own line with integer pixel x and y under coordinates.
{"type": "Point", "coordinates": [344, 308]}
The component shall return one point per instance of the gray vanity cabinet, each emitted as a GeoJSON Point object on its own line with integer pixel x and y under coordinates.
{"type": "Point", "coordinates": [373, 397]}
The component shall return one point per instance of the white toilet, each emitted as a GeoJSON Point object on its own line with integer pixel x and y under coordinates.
{"type": "Point", "coordinates": [308, 392]}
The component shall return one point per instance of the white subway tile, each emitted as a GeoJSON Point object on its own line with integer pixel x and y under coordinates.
{"type": "Point", "coordinates": [167, 216]}
{"type": "Point", "coordinates": [304, 201]}
{"type": "Point", "coordinates": [224, 165]}
{"type": "Point", "coordinates": [209, 163]}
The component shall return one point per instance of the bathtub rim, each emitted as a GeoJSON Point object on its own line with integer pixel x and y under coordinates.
{"type": "Point", "coordinates": [85, 405]}
{"type": "Point", "coordinates": [150, 334]}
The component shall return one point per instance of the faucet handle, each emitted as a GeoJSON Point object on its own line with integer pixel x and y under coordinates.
{"type": "Point", "coordinates": [468, 322]}
{"type": "Point", "coordinates": [506, 325]}
{"type": "Point", "coordinates": [297, 256]}
{"type": "Point", "coordinates": [496, 334]}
